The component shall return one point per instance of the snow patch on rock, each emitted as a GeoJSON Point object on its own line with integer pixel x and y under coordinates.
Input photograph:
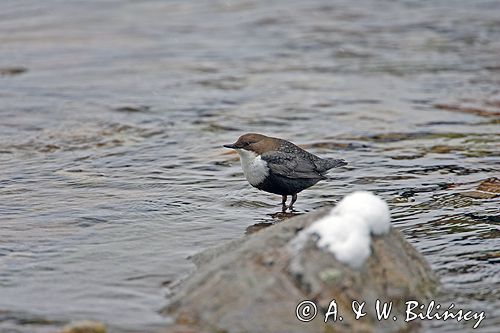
{"type": "Point", "coordinates": [346, 231]}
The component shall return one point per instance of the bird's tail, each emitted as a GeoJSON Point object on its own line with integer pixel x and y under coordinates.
{"type": "Point", "coordinates": [323, 165]}
{"type": "Point", "coordinates": [334, 163]}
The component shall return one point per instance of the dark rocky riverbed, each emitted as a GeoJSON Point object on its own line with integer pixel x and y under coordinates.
{"type": "Point", "coordinates": [113, 114]}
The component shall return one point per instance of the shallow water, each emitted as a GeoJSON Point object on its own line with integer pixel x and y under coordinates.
{"type": "Point", "coordinates": [113, 114]}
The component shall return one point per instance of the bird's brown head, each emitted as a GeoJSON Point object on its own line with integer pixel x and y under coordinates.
{"type": "Point", "coordinates": [258, 143]}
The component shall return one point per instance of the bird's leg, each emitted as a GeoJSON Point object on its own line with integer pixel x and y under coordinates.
{"type": "Point", "coordinates": [294, 198]}
{"type": "Point", "coordinates": [283, 203]}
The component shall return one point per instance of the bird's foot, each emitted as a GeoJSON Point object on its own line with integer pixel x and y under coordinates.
{"type": "Point", "coordinates": [284, 207]}
{"type": "Point", "coordinates": [283, 203]}
{"type": "Point", "coordinates": [294, 198]}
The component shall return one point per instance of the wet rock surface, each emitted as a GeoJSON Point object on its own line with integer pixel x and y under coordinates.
{"type": "Point", "coordinates": [255, 284]}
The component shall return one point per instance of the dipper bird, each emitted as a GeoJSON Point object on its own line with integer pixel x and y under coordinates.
{"type": "Point", "coordinates": [278, 166]}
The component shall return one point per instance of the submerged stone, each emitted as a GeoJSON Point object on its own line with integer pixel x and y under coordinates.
{"type": "Point", "coordinates": [487, 189]}
{"type": "Point", "coordinates": [85, 326]}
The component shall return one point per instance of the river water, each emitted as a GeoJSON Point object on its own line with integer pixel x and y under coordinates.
{"type": "Point", "coordinates": [113, 114]}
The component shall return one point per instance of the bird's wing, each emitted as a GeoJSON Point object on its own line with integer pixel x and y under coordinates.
{"type": "Point", "coordinates": [290, 165]}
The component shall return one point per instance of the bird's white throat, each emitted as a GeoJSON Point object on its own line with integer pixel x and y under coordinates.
{"type": "Point", "coordinates": [254, 167]}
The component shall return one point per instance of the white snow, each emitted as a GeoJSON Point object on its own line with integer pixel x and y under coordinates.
{"type": "Point", "coordinates": [346, 231]}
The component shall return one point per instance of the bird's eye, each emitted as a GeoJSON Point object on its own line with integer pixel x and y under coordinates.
{"type": "Point", "coordinates": [245, 144]}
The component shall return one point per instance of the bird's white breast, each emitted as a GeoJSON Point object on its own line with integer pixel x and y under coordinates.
{"type": "Point", "coordinates": [254, 167]}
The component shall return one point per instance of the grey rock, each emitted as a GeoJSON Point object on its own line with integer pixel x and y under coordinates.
{"type": "Point", "coordinates": [255, 284]}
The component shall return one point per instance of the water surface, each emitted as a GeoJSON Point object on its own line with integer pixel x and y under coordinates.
{"type": "Point", "coordinates": [113, 114]}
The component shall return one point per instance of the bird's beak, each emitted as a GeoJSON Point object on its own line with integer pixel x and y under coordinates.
{"type": "Point", "coordinates": [231, 145]}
